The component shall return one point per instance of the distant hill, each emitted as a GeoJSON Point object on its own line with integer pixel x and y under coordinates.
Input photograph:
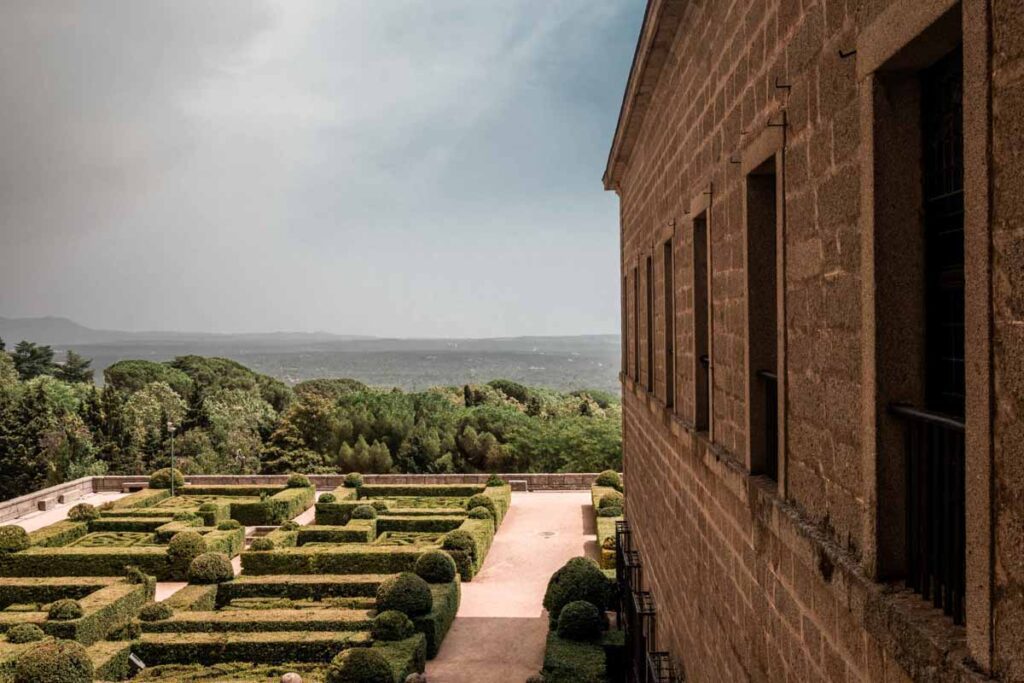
{"type": "Point", "coordinates": [563, 363]}
{"type": "Point", "coordinates": [57, 331]}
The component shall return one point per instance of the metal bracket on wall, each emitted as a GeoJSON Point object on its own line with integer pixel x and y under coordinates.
{"type": "Point", "coordinates": [783, 124]}
{"type": "Point", "coordinates": [845, 55]}
{"type": "Point", "coordinates": [782, 86]}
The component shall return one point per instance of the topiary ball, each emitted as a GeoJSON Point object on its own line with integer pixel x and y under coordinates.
{"type": "Point", "coordinates": [290, 525]}
{"type": "Point", "coordinates": [364, 512]}
{"type": "Point", "coordinates": [405, 592]}
{"type": "Point", "coordinates": [480, 500]}
{"type": "Point", "coordinates": [155, 611]}
{"type": "Point", "coordinates": [210, 568]}
{"type": "Point", "coordinates": [261, 544]}
{"type": "Point", "coordinates": [435, 566]}
{"type": "Point", "coordinates": [184, 547]}
{"type": "Point", "coordinates": [611, 499]}
{"type": "Point", "coordinates": [480, 512]}
{"type": "Point", "coordinates": [460, 540]}
{"type": "Point", "coordinates": [327, 498]}
{"type": "Point", "coordinates": [54, 661]}
{"type": "Point", "coordinates": [580, 620]}
{"type": "Point", "coordinates": [609, 478]}
{"type": "Point", "coordinates": [353, 480]}
{"type": "Point", "coordinates": [208, 507]}
{"type": "Point", "coordinates": [495, 480]}
{"type": "Point", "coordinates": [13, 538]}
{"type": "Point", "coordinates": [24, 633]}
{"type": "Point", "coordinates": [392, 625]}
{"type": "Point", "coordinates": [298, 481]}
{"type": "Point", "coordinates": [229, 524]}
{"type": "Point", "coordinates": [65, 610]}
{"type": "Point", "coordinates": [359, 665]}
{"type": "Point", "coordinates": [379, 505]}
{"type": "Point", "coordinates": [610, 512]}
{"type": "Point", "coordinates": [161, 479]}
{"type": "Point", "coordinates": [133, 574]}
{"type": "Point", "coordinates": [83, 512]}
{"type": "Point", "coordinates": [579, 579]}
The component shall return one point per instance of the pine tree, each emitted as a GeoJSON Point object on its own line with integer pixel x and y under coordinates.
{"type": "Point", "coordinates": [75, 369]}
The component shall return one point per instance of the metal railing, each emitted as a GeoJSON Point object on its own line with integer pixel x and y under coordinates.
{"type": "Point", "coordinates": [935, 512]}
{"type": "Point", "coordinates": [770, 381]}
{"type": "Point", "coordinates": [636, 612]}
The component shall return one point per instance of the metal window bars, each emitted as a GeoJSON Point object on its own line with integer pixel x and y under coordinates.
{"type": "Point", "coordinates": [636, 612]}
{"type": "Point", "coordinates": [935, 507]}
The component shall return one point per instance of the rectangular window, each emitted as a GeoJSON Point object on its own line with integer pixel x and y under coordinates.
{"type": "Point", "coordinates": [650, 325]}
{"type": "Point", "coordinates": [935, 437]}
{"type": "Point", "coordinates": [762, 314]}
{"type": "Point", "coordinates": [701, 324]}
{"type": "Point", "coordinates": [636, 325]}
{"type": "Point", "coordinates": [943, 168]}
{"type": "Point", "coordinates": [669, 326]}
{"type": "Point", "coordinates": [624, 340]}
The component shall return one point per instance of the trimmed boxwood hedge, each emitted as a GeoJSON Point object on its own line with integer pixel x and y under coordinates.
{"type": "Point", "coordinates": [194, 598]}
{"type": "Point", "coordinates": [13, 538]}
{"type": "Point", "coordinates": [419, 490]}
{"type": "Point", "coordinates": [300, 587]}
{"type": "Point", "coordinates": [264, 621]}
{"type": "Point", "coordinates": [436, 566]}
{"type": "Point", "coordinates": [435, 624]}
{"type": "Point", "coordinates": [258, 647]}
{"type": "Point", "coordinates": [578, 579]}
{"type": "Point", "coordinates": [58, 534]}
{"type": "Point", "coordinates": [54, 661]}
{"type": "Point", "coordinates": [356, 531]}
{"type": "Point", "coordinates": [609, 479]}
{"type": "Point", "coordinates": [580, 620]}
{"type": "Point", "coordinates": [342, 559]}
{"type": "Point", "coordinates": [210, 568]}
{"type": "Point", "coordinates": [104, 611]}
{"type": "Point", "coordinates": [406, 592]}
{"type": "Point", "coordinates": [571, 661]}
{"type": "Point", "coordinates": [390, 625]}
{"type": "Point", "coordinates": [162, 478]}
{"type": "Point", "coordinates": [24, 633]}
{"type": "Point", "coordinates": [359, 665]}
{"type": "Point", "coordinates": [83, 512]}
{"type": "Point", "coordinates": [65, 610]}
{"type": "Point", "coordinates": [276, 509]}
{"type": "Point", "coordinates": [438, 524]}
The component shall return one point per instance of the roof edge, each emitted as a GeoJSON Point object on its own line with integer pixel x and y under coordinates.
{"type": "Point", "coordinates": [661, 20]}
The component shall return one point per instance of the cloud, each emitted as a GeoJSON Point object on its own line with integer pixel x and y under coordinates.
{"type": "Point", "coordinates": [400, 167]}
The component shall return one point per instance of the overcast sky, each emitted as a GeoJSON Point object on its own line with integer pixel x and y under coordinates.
{"type": "Point", "coordinates": [387, 167]}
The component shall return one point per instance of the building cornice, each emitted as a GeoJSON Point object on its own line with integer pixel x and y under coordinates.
{"type": "Point", "coordinates": [661, 21]}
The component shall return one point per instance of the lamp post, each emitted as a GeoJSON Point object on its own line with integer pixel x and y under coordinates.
{"type": "Point", "coordinates": [170, 428]}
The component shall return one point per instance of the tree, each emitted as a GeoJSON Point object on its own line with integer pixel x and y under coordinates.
{"type": "Point", "coordinates": [33, 360]}
{"type": "Point", "coordinates": [133, 375]}
{"type": "Point", "coordinates": [75, 369]}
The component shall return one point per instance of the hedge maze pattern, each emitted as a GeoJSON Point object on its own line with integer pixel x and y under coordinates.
{"type": "Point", "coordinates": [307, 595]}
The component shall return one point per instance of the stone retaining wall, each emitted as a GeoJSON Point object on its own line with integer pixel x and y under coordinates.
{"type": "Point", "coordinates": [32, 502]}
{"type": "Point", "coordinates": [41, 500]}
{"type": "Point", "coordinates": [534, 482]}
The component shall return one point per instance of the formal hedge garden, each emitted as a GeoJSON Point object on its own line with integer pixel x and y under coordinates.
{"type": "Point", "coordinates": [370, 589]}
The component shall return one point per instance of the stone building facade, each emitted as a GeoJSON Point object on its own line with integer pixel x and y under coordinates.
{"type": "Point", "coordinates": [823, 349]}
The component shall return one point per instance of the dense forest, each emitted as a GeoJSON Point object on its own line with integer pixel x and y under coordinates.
{"type": "Point", "coordinates": [56, 425]}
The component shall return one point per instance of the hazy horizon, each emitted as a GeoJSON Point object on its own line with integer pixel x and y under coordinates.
{"type": "Point", "coordinates": [399, 170]}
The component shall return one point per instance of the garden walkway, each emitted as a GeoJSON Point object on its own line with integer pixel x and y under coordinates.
{"type": "Point", "coordinates": [499, 633]}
